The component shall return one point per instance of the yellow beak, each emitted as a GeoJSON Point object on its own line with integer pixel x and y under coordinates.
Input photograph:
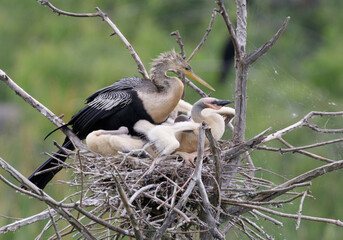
{"type": "Point", "coordinates": [195, 77]}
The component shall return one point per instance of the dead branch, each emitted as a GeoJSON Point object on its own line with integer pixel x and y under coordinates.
{"type": "Point", "coordinates": [208, 30]}
{"type": "Point", "coordinates": [104, 17]}
{"type": "Point", "coordinates": [251, 58]}
{"type": "Point", "coordinates": [41, 108]}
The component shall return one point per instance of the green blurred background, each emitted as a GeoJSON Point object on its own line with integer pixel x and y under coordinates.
{"type": "Point", "coordinates": [62, 60]}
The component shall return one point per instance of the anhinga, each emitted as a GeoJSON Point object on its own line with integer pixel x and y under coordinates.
{"type": "Point", "coordinates": [123, 104]}
{"type": "Point", "coordinates": [109, 142]}
{"type": "Point", "coordinates": [183, 136]}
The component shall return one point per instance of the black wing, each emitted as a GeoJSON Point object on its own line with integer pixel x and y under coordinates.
{"type": "Point", "coordinates": [104, 104]}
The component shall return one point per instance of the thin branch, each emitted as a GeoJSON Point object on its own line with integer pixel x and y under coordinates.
{"type": "Point", "coordinates": [41, 108]}
{"type": "Point", "coordinates": [294, 216]}
{"type": "Point", "coordinates": [208, 30]}
{"type": "Point", "coordinates": [129, 210]}
{"type": "Point", "coordinates": [225, 15]}
{"type": "Point", "coordinates": [47, 199]}
{"type": "Point", "coordinates": [179, 41]}
{"type": "Point", "coordinates": [300, 209]}
{"type": "Point", "coordinates": [101, 14]}
{"type": "Point", "coordinates": [312, 155]}
{"type": "Point", "coordinates": [251, 58]}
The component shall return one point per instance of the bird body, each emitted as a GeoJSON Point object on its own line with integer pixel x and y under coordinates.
{"type": "Point", "coordinates": [123, 104]}
{"type": "Point", "coordinates": [183, 136]}
{"type": "Point", "coordinates": [110, 142]}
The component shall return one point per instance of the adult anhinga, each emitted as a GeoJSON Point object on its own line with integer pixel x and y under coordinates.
{"type": "Point", "coordinates": [183, 136]}
{"type": "Point", "coordinates": [123, 104]}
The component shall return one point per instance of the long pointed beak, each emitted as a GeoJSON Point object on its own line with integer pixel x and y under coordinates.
{"type": "Point", "coordinates": [195, 77]}
{"type": "Point", "coordinates": [222, 102]}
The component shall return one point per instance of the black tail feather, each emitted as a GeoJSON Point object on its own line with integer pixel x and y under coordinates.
{"type": "Point", "coordinates": [42, 179]}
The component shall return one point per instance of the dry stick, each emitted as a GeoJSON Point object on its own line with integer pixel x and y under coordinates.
{"type": "Point", "coordinates": [224, 13]}
{"type": "Point", "coordinates": [295, 149]}
{"type": "Point", "coordinates": [295, 216]}
{"type": "Point", "coordinates": [41, 108]}
{"type": "Point", "coordinates": [251, 58]}
{"type": "Point", "coordinates": [266, 217]}
{"type": "Point", "coordinates": [216, 155]}
{"type": "Point", "coordinates": [208, 30]}
{"type": "Point", "coordinates": [254, 225]}
{"type": "Point", "coordinates": [300, 123]}
{"type": "Point", "coordinates": [47, 199]}
{"type": "Point", "coordinates": [300, 209]}
{"type": "Point", "coordinates": [54, 225]}
{"type": "Point", "coordinates": [179, 41]}
{"type": "Point", "coordinates": [282, 188]}
{"type": "Point", "coordinates": [129, 210]}
{"type": "Point", "coordinates": [312, 155]}
{"type": "Point", "coordinates": [182, 214]}
{"type": "Point", "coordinates": [206, 208]}
{"type": "Point", "coordinates": [101, 14]}
{"type": "Point", "coordinates": [183, 200]}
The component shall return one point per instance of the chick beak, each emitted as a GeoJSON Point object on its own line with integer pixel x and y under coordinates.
{"type": "Point", "coordinates": [195, 77]}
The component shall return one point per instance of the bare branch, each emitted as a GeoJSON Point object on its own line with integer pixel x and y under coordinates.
{"type": "Point", "coordinates": [225, 15]}
{"type": "Point", "coordinates": [101, 14]}
{"type": "Point", "coordinates": [208, 30]}
{"type": "Point", "coordinates": [41, 108]}
{"type": "Point", "coordinates": [179, 41]}
{"type": "Point", "coordinates": [251, 58]}
{"type": "Point", "coordinates": [294, 216]}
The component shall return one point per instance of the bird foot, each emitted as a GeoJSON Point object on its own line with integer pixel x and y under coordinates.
{"type": "Point", "coordinates": [188, 158]}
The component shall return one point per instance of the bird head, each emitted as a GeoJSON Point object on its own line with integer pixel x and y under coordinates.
{"type": "Point", "coordinates": [215, 103]}
{"type": "Point", "coordinates": [173, 62]}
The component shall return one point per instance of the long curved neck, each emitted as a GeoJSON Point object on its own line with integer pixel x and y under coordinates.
{"type": "Point", "coordinates": [214, 120]}
{"type": "Point", "coordinates": [162, 101]}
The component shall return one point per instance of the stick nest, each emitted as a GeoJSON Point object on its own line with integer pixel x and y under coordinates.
{"type": "Point", "coordinates": [151, 196]}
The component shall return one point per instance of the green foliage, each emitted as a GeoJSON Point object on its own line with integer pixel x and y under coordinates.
{"type": "Point", "coordinates": [61, 60]}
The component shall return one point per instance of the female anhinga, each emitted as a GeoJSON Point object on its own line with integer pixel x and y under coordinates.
{"type": "Point", "coordinates": [183, 136]}
{"type": "Point", "coordinates": [123, 104]}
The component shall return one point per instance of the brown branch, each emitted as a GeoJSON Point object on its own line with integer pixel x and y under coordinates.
{"type": "Point", "coordinates": [129, 210]}
{"type": "Point", "coordinates": [208, 30]}
{"type": "Point", "coordinates": [300, 209]}
{"type": "Point", "coordinates": [230, 28]}
{"type": "Point", "coordinates": [245, 146]}
{"type": "Point", "coordinates": [47, 199]}
{"type": "Point", "coordinates": [294, 216]}
{"type": "Point", "coordinates": [41, 108]}
{"type": "Point", "coordinates": [102, 15]}
{"type": "Point", "coordinates": [179, 41]}
{"type": "Point", "coordinates": [295, 149]}
{"type": "Point", "coordinates": [251, 58]}
{"type": "Point", "coordinates": [312, 155]}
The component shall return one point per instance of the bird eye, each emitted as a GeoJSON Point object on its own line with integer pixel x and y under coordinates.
{"type": "Point", "coordinates": [187, 68]}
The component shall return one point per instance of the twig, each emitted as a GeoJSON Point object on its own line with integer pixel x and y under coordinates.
{"type": "Point", "coordinates": [300, 123]}
{"type": "Point", "coordinates": [300, 209]}
{"type": "Point", "coordinates": [129, 210]}
{"type": "Point", "coordinates": [54, 225]}
{"type": "Point", "coordinates": [251, 58]}
{"type": "Point", "coordinates": [101, 14]}
{"type": "Point", "coordinates": [294, 216]}
{"type": "Point", "coordinates": [172, 214]}
{"type": "Point", "coordinates": [179, 41]}
{"type": "Point", "coordinates": [47, 199]}
{"type": "Point", "coordinates": [41, 108]}
{"type": "Point", "coordinates": [312, 155]}
{"type": "Point", "coordinates": [295, 149]}
{"type": "Point", "coordinates": [266, 217]}
{"type": "Point", "coordinates": [216, 155]}
{"type": "Point", "coordinates": [225, 15]}
{"type": "Point", "coordinates": [208, 30]}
